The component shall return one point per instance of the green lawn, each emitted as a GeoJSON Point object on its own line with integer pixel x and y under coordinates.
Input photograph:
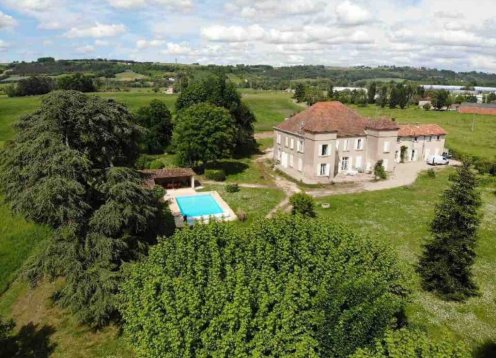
{"type": "Point", "coordinates": [18, 239]}
{"type": "Point", "coordinates": [401, 217]}
{"type": "Point", "coordinates": [270, 107]}
{"type": "Point", "coordinates": [256, 203]}
{"type": "Point", "coordinates": [479, 142]}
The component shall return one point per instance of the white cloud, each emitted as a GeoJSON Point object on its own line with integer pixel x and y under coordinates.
{"type": "Point", "coordinates": [6, 20]}
{"type": "Point", "coordinates": [233, 33]}
{"type": "Point", "coordinates": [352, 14]}
{"type": "Point", "coordinates": [178, 49]}
{"type": "Point", "coordinates": [31, 5]}
{"type": "Point", "coordinates": [3, 45]}
{"type": "Point", "coordinates": [98, 31]}
{"type": "Point", "coordinates": [101, 43]}
{"type": "Point", "coordinates": [85, 49]}
{"type": "Point", "coordinates": [141, 44]}
{"type": "Point", "coordinates": [131, 4]}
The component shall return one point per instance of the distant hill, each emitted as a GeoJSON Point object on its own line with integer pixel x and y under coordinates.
{"type": "Point", "coordinates": [259, 76]}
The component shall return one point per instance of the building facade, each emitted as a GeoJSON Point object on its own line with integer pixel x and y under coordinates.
{"type": "Point", "coordinates": [329, 138]}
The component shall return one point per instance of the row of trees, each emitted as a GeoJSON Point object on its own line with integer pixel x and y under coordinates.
{"type": "Point", "coordinates": [70, 167]}
{"type": "Point", "coordinates": [36, 85]}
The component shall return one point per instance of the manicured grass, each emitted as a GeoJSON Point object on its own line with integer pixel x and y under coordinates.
{"type": "Point", "coordinates": [12, 109]}
{"type": "Point", "coordinates": [245, 170]}
{"type": "Point", "coordinates": [255, 202]}
{"type": "Point", "coordinates": [47, 325]}
{"type": "Point", "coordinates": [270, 107]}
{"type": "Point", "coordinates": [18, 239]}
{"type": "Point", "coordinates": [461, 138]}
{"type": "Point", "coordinates": [401, 218]}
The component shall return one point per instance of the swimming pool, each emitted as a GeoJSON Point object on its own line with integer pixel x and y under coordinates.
{"type": "Point", "coordinates": [199, 205]}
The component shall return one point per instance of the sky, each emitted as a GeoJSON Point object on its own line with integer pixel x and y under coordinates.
{"type": "Point", "coordinates": [447, 34]}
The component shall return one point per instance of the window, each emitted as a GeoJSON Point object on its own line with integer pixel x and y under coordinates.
{"type": "Point", "coordinates": [345, 144]}
{"type": "Point", "coordinates": [386, 147]}
{"type": "Point", "coordinates": [324, 169]}
{"type": "Point", "coordinates": [415, 139]}
{"type": "Point", "coordinates": [291, 162]}
{"type": "Point", "coordinates": [345, 161]}
{"type": "Point", "coordinates": [429, 138]}
{"type": "Point", "coordinates": [438, 137]}
{"type": "Point", "coordinates": [278, 138]}
{"type": "Point", "coordinates": [324, 149]}
{"type": "Point", "coordinates": [398, 139]}
{"type": "Point", "coordinates": [299, 146]}
{"type": "Point", "coordinates": [286, 141]}
{"type": "Point", "coordinates": [358, 162]}
{"type": "Point", "coordinates": [337, 144]}
{"type": "Point", "coordinates": [292, 143]}
{"type": "Point", "coordinates": [359, 144]}
{"type": "Point", "coordinates": [300, 164]}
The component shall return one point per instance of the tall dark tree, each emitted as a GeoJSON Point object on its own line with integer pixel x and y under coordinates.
{"type": "Point", "coordinates": [382, 100]}
{"type": "Point", "coordinates": [216, 90]}
{"type": "Point", "coordinates": [446, 263]}
{"type": "Point", "coordinates": [371, 92]}
{"type": "Point", "coordinates": [440, 99]}
{"type": "Point", "coordinates": [76, 82]}
{"type": "Point", "coordinates": [31, 86]}
{"type": "Point", "coordinates": [299, 93]}
{"type": "Point", "coordinates": [69, 167]}
{"type": "Point", "coordinates": [157, 121]}
{"type": "Point", "coordinates": [330, 90]}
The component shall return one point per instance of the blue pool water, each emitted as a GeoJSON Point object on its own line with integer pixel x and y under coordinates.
{"type": "Point", "coordinates": [198, 205]}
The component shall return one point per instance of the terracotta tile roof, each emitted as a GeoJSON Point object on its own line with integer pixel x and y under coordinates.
{"type": "Point", "coordinates": [325, 117]}
{"type": "Point", "coordinates": [416, 130]}
{"type": "Point", "coordinates": [478, 108]}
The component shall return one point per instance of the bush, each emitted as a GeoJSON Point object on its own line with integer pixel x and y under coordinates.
{"type": "Point", "coordinates": [215, 174]}
{"type": "Point", "coordinates": [431, 173]}
{"type": "Point", "coordinates": [379, 171]}
{"type": "Point", "coordinates": [232, 188]}
{"type": "Point", "coordinates": [143, 161]}
{"type": "Point", "coordinates": [302, 204]}
{"type": "Point", "coordinates": [427, 107]}
{"type": "Point", "coordinates": [284, 287]}
{"type": "Point", "coordinates": [406, 343]}
{"type": "Point", "coordinates": [242, 216]}
{"type": "Point", "coordinates": [156, 164]}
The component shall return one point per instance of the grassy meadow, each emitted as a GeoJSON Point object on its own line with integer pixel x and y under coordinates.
{"type": "Point", "coordinates": [401, 218]}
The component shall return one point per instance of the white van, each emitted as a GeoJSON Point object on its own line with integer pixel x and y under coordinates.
{"type": "Point", "coordinates": [437, 160]}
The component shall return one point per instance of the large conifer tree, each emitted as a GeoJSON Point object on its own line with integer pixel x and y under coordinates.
{"type": "Point", "coordinates": [446, 263]}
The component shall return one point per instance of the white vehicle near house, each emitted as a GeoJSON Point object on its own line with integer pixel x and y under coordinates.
{"type": "Point", "coordinates": [437, 160]}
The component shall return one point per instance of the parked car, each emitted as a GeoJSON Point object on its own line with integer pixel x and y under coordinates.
{"type": "Point", "coordinates": [437, 160]}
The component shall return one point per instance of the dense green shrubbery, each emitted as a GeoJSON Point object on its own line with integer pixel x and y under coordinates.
{"type": "Point", "coordinates": [379, 171]}
{"type": "Point", "coordinates": [412, 344]}
{"type": "Point", "coordinates": [285, 287]}
{"type": "Point", "coordinates": [215, 174]}
{"type": "Point", "coordinates": [302, 204]}
{"type": "Point", "coordinates": [232, 188]}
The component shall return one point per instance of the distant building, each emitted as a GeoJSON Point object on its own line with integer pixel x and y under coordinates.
{"type": "Point", "coordinates": [329, 138]}
{"type": "Point", "coordinates": [478, 108]}
{"type": "Point", "coordinates": [169, 90]}
{"type": "Point", "coordinates": [422, 103]}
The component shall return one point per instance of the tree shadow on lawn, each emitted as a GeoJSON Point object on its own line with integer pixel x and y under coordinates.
{"type": "Point", "coordinates": [29, 342]}
{"type": "Point", "coordinates": [486, 350]}
{"type": "Point", "coordinates": [230, 167]}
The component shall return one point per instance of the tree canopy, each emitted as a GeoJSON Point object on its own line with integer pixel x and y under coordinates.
{"type": "Point", "coordinates": [157, 121]}
{"type": "Point", "coordinates": [447, 260]}
{"type": "Point", "coordinates": [76, 82]}
{"type": "Point", "coordinates": [70, 167]}
{"type": "Point", "coordinates": [203, 133]}
{"type": "Point", "coordinates": [412, 344]}
{"type": "Point", "coordinates": [217, 91]}
{"type": "Point", "coordinates": [290, 286]}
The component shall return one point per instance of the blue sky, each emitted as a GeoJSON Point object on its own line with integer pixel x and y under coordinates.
{"type": "Point", "coordinates": [450, 34]}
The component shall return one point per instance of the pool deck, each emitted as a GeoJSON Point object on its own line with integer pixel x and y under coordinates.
{"type": "Point", "coordinates": [176, 212]}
